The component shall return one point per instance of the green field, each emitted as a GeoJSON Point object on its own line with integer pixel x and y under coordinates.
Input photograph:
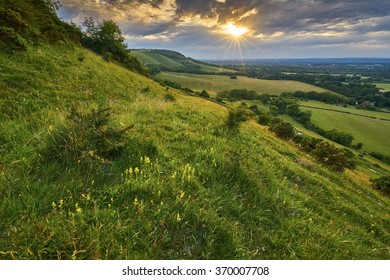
{"type": "Point", "coordinates": [383, 86]}
{"type": "Point", "coordinates": [373, 133]}
{"type": "Point", "coordinates": [174, 60]}
{"type": "Point", "coordinates": [217, 83]}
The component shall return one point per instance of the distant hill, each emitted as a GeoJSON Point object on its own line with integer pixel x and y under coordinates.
{"type": "Point", "coordinates": [166, 60]}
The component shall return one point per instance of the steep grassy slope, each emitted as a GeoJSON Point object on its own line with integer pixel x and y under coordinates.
{"type": "Point", "coordinates": [216, 83]}
{"type": "Point", "coordinates": [176, 185]}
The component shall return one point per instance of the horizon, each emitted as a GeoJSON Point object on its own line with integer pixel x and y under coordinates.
{"type": "Point", "coordinates": [248, 29]}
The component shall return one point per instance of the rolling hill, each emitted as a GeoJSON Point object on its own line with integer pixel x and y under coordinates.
{"type": "Point", "coordinates": [99, 162]}
{"type": "Point", "coordinates": [173, 61]}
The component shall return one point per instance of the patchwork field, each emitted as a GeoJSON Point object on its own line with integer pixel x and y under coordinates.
{"type": "Point", "coordinates": [368, 127]}
{"type": "Point", "coordinates": [216, 83]}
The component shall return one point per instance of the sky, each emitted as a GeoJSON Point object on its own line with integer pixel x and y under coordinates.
{"type": "Point", "coordinates": [203, 29]}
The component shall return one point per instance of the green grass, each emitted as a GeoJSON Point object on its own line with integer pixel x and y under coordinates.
{"type": "Point", "coordinates": [151, 57]}
{"type": "Point", "coordinates": [155, 58]}
{"type": "Point", "coordinates": [384, 86]}
{"type": "Point", "coordinates": [183, 187]}
{"type": "Point", "coordinates": [373, 133]}
{"type": "Point", "coordinates": [217, 83]}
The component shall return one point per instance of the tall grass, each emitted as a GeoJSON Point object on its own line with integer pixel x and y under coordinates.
{"type": "Point", "coordinates": [175, 185]}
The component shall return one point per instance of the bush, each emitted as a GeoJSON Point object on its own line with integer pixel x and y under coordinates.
{"type": "Point", "coordinates": [264, 118]}
{"type": "Point", "coordinates": [204, 93]}
{"type": "Point", "coordinates": [330, 156]}
{"type": "Point", "coordinates": [283, 129]}
{"type": "Point", "coordinates": [85, 138]}
{"type": "Point", "coordinates": [308, 144]}
{"type": "Point", "coordinates": [169, 97]}
{"type": "Point", "coordinates": [380, 157]}
{"type": "Point", "coordinates": [339, 137]}
{"type": "Point", "coordinates": [382, 184]}
{"type": "Point", "coordinates": [11, 40]}
{"type": "Point", "coordinates": [237, 115]}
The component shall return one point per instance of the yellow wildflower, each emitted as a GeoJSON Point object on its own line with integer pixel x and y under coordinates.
{"type": "Point", "coordinates": [180, 195]}
{"type": "Point", "coordinates": [136, 170]}
{"type": "Point", "coordinates": [178, 217]}
{"type": "Point", "coordinates": [50, 128]}
{"type": "Point", "coordinates": [78, 209]}
{"type": "Point", "coordinates": [147, 160]}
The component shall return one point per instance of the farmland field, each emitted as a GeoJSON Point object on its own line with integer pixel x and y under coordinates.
{"type": "Point", "coordinates": [373, 133]}
{"type": "Point", "coordinates": [216, 83]}
{"type": "Point", "coordinates": [384, 86]}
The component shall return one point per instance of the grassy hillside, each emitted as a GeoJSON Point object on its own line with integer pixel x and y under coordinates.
{"type": "Point", "coordinates": [161, 177]}
{"type": "Point", "coordinates": [216, 83]}
{"type": "Point", "coordinates": [174, 61]}
{"type": "Point", "coordinates": [368, 127]}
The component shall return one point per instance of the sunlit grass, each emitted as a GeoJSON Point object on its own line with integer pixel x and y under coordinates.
{"type": "Point", "coordinates": [184, 187]}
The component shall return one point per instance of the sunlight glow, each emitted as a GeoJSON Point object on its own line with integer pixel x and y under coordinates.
{"type": "Point", "coordinates": [235, 31]}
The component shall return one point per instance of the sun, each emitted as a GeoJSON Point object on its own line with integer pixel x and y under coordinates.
{"type": "Point", "coordinates": [235, 31]}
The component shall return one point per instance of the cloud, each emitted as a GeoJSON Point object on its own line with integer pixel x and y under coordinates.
{"type": "Point", "coordinates": [304, 22]}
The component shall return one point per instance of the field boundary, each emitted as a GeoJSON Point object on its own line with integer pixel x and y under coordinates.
{"type": "Point", "coordinates": [344, 112]}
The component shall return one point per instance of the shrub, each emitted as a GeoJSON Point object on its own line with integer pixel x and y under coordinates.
{"type": "Point", "coordinates": [169, 97]}
{"type": "Point", "coordinates": [264, 118]}
{"type": "Point", "coordinates": [330, 156]}
{"type": "Point", "coordinates": [11, 40]}
{"type": "Point", "coordinates": [358, 146]}
{"type": "Point", "coordinates": [237, 115]}
{"type": "Point", "coordinates": [283, 129]}
{"type": "Point", "coordinates": [381, 157]}
{"type": "Point", "coordinates": [382, 184]}
{"type": "Point", "coordinates": [339, 137]}
{"type": "Point", "coordinates": [85, 138]}
{"type": "Point", "coordinates": [204, 93]}
{"type": "Point", "coordinates": [308, 144]}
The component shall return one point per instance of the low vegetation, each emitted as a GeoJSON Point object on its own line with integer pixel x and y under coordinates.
{"type": "Point", "coordinates": [99, 162]}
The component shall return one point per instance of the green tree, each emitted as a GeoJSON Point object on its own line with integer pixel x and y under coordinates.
{"type": "Point", "coordinates": [106, 39]}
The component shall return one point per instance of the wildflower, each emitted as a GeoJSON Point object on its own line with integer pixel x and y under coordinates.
{"type": "Point", "coordinates": [50, 128]}
{"type": "Point", "coordinates": [173, 175]}
{"type": "Point", "coordinates": [54, 205]}
{"type": "Point", "coordinates": [136, 170]}
{"type": "Point", "coordinates": [91, 153]}
{"type": "Point", "coordinates": [178, 217]}
{"type": "Point", "coordinates": [147, 160]}
{"type": "Point", "coordinates": [180, 195]}
{"type": "Point", "coordinates": [78, 209]}
{"type": "Point", "coordinates": [86, 197]}
{"type": "Point", "coordinates": [61, 203]}
{"type": "Point", "coordinates": [136, 203]}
